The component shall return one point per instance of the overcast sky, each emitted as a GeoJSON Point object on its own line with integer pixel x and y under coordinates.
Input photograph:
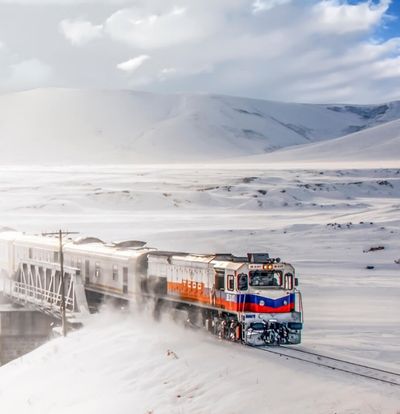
{"type": "Point", "coordinates": [292, 50]}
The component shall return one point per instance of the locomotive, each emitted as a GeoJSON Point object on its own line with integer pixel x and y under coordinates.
{"type": "Point", "coordinates": [254, 299]}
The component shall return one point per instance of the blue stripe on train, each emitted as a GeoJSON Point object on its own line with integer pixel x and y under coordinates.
{"type": "Point", "coordinates": [272, 303]}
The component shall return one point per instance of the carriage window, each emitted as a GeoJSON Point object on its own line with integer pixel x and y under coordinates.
{"type": "Point", "coordinates": [97, 270]}
{"type": "Point", "coordinates": [265, 278]}
{"type": "Point", "coordinates": [115, 272]}
{"type": "Point", "coordinates": [231, 282]}
{"type": "Point", "coordinates": [243, 282]}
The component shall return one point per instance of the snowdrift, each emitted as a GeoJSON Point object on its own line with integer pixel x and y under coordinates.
{"type": "Point", "coordinates": [137, 366]}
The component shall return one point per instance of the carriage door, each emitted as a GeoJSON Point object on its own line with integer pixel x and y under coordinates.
{"type": "Point", "coordinates": [87, 271]}
{"type": "Point", "coordinates": [125, 280]}
{"type": "Point", "coordinates": [219, 286]}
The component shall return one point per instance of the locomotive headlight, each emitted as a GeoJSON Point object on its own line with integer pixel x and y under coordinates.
{"type": "Point", "coordinates": [268, 267]}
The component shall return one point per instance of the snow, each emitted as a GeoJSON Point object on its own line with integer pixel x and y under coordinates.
{"type": "Point", "coordinates": [124, 364]}
{"type": "Point", "coordinates": [320, 205]}
{"type": "Point", "coordinates": [375, 145]}
{"type": "Point", "coordinates": [319, 220]}
{"type": "Point", "coordinates": [62, 126]}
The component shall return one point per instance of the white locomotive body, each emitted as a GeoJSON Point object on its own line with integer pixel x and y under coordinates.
{"type": "Point", "coordinates": [251, 298]}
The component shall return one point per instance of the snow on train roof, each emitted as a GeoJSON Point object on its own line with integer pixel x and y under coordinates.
{"type": "Point", "coordinates": [9, 235]}
{"type": "Point", "coordinates": [87, 240]}
{"type": "Point", "coordinates": [195, 258]}
{"type": "Point", "coordinates": [86, 244]}
{"type": "Point", "coordinates": [228, 265]}
{"type": "Point", "coordinates": [198, 258]}
{"type": "Point", "coordinates": [30, 239]}
{"type": "Point", "coordinates": [106, 249]}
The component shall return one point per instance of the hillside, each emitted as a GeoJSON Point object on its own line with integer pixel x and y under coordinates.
{"type": "Point", "coordinates": [380, 143]}
{"type": "Point", "coordinates": [60, 126]}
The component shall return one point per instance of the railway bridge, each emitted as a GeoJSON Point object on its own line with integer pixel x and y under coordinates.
{"type": "Point", "coordinates": [38, 285]}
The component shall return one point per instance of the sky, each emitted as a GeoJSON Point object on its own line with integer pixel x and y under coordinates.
{"type": "Point", "coordinates": [317, 51]}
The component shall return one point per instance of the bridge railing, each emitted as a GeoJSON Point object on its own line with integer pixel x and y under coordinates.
{"type": "Point", "coordinates": [39, 284]}
{"type": "Point", "coordinates": [39, 295]}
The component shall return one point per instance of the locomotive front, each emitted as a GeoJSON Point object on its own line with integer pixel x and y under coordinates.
{"type": "Point", "coordinates": [271, 307]}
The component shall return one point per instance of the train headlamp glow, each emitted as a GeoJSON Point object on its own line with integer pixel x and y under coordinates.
{"type": "Point", "coordinates": [267, 267]}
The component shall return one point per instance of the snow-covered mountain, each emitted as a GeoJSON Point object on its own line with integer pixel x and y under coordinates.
{"type": "Point", "coordinates": [380, 143]}
{"type": "Point", "coordinates": [80, 126]}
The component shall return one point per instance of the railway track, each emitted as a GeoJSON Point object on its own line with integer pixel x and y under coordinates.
{"type": "Point", "coordinates": [365, 371]}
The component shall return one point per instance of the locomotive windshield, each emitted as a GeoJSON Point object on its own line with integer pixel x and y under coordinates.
{"type": "Point", "coordinates": [264, 278]}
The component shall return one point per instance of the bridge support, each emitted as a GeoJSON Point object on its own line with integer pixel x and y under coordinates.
{"type": "Point", "coordinates": [21, 331]}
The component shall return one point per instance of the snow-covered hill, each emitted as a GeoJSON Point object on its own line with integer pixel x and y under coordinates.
{"type": "Point", "coordinates": [79, 126]}
{"type": "Point", "coordinates": [380, 143]}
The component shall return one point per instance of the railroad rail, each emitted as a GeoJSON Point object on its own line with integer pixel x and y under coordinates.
{"type": "Point", "coordinates": [365, 371]}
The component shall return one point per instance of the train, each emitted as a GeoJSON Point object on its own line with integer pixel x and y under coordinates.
{"type": "Point", "coordinates": [254, 299]}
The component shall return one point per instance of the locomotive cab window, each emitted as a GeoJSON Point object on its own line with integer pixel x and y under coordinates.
{"type": "Point", "coordinates": [265, 278]}
{"type": "Point", "coordinates": [231, 282]}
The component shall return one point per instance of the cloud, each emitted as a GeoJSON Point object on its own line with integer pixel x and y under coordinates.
{"type": "Point", "coordinates": [163, 26]}
{"type": "Point", "coordinates": [314, 50]}
{"type": "Point", "coordinates": [133, 64]}
{"type": "Point", "coordinates": [80, 32]}
{"type": "Point", "coordinates": [62, 2]}
{"type": "Point", "coordinates": [29, 73]}
{"type": "Point", "coordinates": [265, 5]}
{"type": "Point", "coordinates": [317, 51]}
{"type": "Point", "coordinates": [341, 17]}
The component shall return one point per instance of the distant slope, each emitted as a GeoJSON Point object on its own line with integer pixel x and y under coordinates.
{"type": "Point", "coordinates": [380, 143]}
{"type": "Point", "coordinates": [80, 126]}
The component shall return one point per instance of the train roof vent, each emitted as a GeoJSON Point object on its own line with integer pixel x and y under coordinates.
{"type": "Point", "coordinates": [229, 257]}
{"type": "Point", "coordinates": [87, 240]}
{"type": "Point", "coordinates": [129, 244]}
{"type": "Point", "coordinates": [223, 256]}
{"type": "Point", "coordinates": [258, 257]}
{"type": "Point", "coordinates": [168, 253]}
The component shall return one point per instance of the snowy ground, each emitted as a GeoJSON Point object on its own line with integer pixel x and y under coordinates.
{"type": "Point", "coordinates": [322, 221]}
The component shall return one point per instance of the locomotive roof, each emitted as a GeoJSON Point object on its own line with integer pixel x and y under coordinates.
{"type": "Point", "coordinates": [202, 258]}
{"type": "Point", "coordinates": [228, 265]}
{"type": "Point", "coordinates": [196, 258]}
